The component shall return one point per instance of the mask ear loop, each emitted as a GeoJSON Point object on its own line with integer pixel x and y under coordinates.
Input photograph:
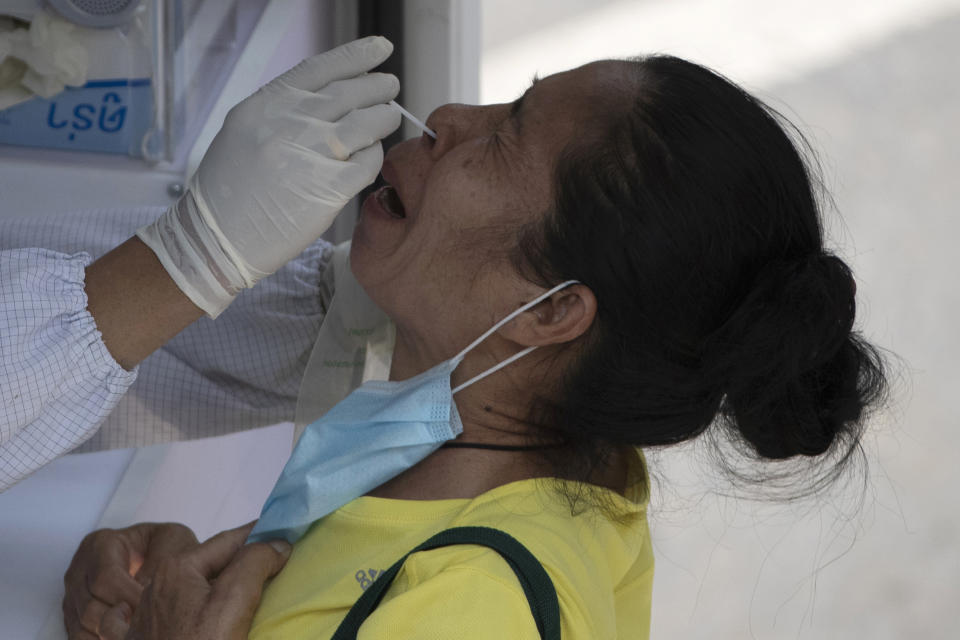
{"type": "Point", "coordinates": [491, 330]}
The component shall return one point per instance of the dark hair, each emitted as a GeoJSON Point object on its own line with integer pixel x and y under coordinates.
{"type": "Point", "coordinates": [694, 219]}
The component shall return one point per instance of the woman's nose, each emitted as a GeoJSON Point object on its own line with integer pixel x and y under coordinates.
{"type": "Point", "coordinates": [455, 123]}
{"type": "Point", "coordinates": [446, 123]}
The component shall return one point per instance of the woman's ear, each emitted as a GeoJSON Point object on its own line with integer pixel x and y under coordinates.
{"type": "Point", "coordinates": [563, 317]}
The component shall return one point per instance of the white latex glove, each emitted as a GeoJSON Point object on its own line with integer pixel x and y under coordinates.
{"type": "Point", "coordinates": [285, 162]}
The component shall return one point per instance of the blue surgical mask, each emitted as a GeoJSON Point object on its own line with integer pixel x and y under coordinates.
{"type": "Point", "coordinates": [378, 431]}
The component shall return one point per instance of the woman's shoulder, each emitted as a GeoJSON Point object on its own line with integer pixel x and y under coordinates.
{"type": "Point", "coordinates": [590, 556]}
{"type": "Point", "coordinates": [464, 599]}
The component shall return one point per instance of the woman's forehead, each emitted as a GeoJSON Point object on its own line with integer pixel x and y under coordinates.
{"type": "Point", "coordinates": [599, 80]}
{"type": "Point", "coordinates": [564, 106]}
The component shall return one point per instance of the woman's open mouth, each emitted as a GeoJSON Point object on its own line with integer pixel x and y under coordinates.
{"type": "Point", "coordinates": [390, 201]}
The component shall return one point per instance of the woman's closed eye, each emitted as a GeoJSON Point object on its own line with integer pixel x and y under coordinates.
{"type": "Point", "coordinates": [498, 141]}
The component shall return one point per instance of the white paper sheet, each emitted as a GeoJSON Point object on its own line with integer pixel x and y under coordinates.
{"type": "Point", "coordinates": [42, 521]}
{"type": "Point", "coordinates": [210, 485]}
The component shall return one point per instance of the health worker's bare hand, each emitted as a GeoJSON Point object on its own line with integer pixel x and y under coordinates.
{"type": "Point", "coordinates": [207, 593]}
{"type": "Point", "coordinates": [286, 161]}
{"type": "Point", "coordinates": [111, 567]}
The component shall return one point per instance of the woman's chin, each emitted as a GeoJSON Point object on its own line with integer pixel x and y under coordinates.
{"type": "Point", "coordinates": [373, 245]}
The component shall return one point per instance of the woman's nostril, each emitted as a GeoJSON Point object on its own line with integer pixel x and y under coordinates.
{"type": "Point", "coordinates": [427, 140]}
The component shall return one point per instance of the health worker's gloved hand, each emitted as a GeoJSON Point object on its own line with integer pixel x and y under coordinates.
{"type": "Point", "coordinates": [286, 161]}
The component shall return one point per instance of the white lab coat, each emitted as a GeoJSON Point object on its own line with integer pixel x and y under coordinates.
{"type": "Point", "coordinates": [60, 389]}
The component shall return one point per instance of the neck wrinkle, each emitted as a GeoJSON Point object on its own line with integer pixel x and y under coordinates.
{"type": "Point", "coordinates": [495, 409]}
{"type": "Point", "coordinates": [506, 422]}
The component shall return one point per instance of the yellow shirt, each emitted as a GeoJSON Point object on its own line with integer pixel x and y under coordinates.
{"type": "Point", "coordinates": [602, 569]}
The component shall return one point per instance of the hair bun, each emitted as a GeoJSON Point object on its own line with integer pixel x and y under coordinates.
{"type": "Point", "coordinates": [796, 375]}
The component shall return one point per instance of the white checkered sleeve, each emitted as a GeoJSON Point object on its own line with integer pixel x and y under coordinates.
{"type": "Point", "coordinates": [58, 382]}
{"type": "Point", "coordinates": [238, 372]}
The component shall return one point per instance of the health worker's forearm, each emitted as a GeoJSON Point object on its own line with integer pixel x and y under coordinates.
{"type": "Point", "coordinates": [135, 303]}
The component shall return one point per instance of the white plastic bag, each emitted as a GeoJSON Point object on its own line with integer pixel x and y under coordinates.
{"type": "Point", "coordinates": [355, 344]}
{"type": "Point", "coordinates": [40, 60]}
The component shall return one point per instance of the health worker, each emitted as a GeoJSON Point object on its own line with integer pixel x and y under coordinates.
{"type": "Point", "coordinates": [285, 162]}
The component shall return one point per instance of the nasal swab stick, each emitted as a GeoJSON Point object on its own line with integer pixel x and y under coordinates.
{"type": "Point", "coordinates": [412, 118]}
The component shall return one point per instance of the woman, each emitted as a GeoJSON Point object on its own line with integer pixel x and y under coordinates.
{"type": "Point", "coordinates": [702, 292]}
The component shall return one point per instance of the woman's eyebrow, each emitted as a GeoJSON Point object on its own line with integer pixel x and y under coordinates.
{"type": "Point", "coordinates": [518, 103]}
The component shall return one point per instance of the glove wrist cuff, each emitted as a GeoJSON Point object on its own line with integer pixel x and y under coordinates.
{"type": "Point", "coordinates": [192, 255]}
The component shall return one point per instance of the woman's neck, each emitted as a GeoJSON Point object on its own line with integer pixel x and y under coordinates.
{"type": "Point", "coordinates": [489, 414]}
{"type": "Point", "coordinates": [494, 411]}
{"type": "Point", "coordinates": [467, 473]}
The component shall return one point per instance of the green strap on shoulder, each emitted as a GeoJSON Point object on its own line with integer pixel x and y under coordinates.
{"type": "Point", "coordinates": [539, 589]}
